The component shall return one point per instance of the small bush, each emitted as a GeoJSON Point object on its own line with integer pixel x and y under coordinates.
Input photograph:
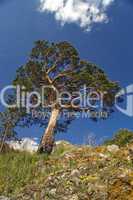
{"type": "Point", "coordinates": [121, 138]}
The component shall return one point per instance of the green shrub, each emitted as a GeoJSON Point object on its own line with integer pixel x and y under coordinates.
{"type": "Point", "coordinates": [121, 138]}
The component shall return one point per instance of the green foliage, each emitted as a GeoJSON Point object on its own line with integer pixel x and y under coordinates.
{"type": "Point", "coordinates": [121, 138]}
{"type": "Point", "coordinates": [8, 122]}
{"type": "Point", "coordinates": [59, 65]}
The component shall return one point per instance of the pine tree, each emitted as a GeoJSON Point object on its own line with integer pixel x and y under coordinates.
{"type": "Point", "coordinates": [59, 66]}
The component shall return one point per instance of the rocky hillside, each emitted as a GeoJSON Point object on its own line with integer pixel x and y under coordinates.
{"type": "Point", "coordinates": [70, 173]}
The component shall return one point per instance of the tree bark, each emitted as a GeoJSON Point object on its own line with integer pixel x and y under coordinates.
{"type": "Point", "coordinates": [3, 140]}
{"type": "Point", "coordinates": [47, 141]}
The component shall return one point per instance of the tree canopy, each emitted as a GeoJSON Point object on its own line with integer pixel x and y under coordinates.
{"type": "Point", "coordinates": [59, 66]}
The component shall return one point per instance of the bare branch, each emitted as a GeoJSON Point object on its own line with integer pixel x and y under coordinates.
{"type": "Point", "coordinates": [61, 75]}
{"type": "Point", "coordinates": [70, 106]}
{"type": "Point", "coordinates": [51, 69]}
{"type": "Point", "coordinates": [49, 79]}
{"type": "Point", "coordinates": [46, 77]}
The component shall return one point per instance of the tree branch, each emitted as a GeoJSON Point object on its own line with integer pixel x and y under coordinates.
{"type": "Point", "coordinates": [70, 107]}
{"type": "Point", "coordinates": [51, 69]}
{"type": "Point", "coordinates": [61, 75]}
{"type": "Point", "coordinates": [49, 79]}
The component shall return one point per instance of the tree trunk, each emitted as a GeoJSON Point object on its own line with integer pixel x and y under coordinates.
{"type": "Point", "coordinates": [3, 140]}
{"type": "Point", "coordinates": [47, 141]}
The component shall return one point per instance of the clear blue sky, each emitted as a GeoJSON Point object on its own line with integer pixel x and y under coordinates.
{"type": "Point", "coordinates": [108, 45]}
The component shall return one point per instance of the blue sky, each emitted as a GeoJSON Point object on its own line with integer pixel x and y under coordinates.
{"type": "Point", "coordinates": [109, 45]}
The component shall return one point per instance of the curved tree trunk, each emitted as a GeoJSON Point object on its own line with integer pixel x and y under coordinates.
{"type": "Point", "coordinates": [47, 142]}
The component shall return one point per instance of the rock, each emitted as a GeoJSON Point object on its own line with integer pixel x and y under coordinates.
{"type": "Point", "coordinates": [62, 142]}
{"type": "Point", "coordinates": [75, 173]}
{"type": "Point", "coordinates": [69, 156]}
{"type": "Point", "coordinates": [113, 148]}
{"type": "Point", "coordinates": [90, 188]}
{"type": "Point", "coordinates": [75, 177]}
{"type": "Point", "coordinates": [76, 181]}
{"type": "Point", "coordinates": [4, 198]}
{"type": "Point", "coordinates": [103, 155]}
{"type": "Point", "coordinates": [53, 191]}
{"type": "Point", "coordinates": [74, 197]}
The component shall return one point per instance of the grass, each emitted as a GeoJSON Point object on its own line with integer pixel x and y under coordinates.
{"type": "Point", "coordinates": [16, 170]}
{"type": "Point", "coordinates": [22, 173]}
{"type": "Point", "coordinates": [19, 169]}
